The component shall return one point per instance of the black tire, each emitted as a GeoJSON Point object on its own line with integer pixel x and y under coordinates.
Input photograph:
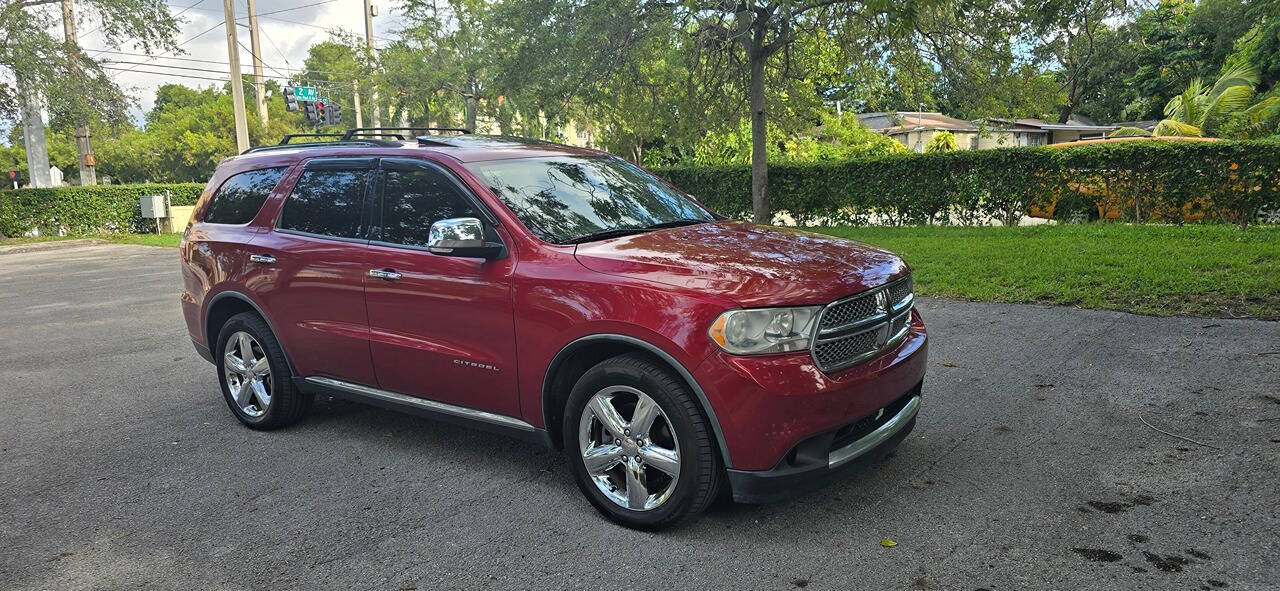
{"type": "Point", "coordinates": [700, 466]}
{"type": "Point", "coordinates": [288, 405]}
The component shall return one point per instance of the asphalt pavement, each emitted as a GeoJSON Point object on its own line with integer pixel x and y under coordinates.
{"type": "Point", "coordinates": [1031, 467]}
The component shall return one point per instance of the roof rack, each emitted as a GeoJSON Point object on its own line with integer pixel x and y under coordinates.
{"type": "Point", "coordinates": [391, 131]}
{"type": "Point", "coordinates": [287, 138]}
{"type": "Point", "coordinates": [333, 144]}
{"type": "Point", "coordinates": [359, 136]}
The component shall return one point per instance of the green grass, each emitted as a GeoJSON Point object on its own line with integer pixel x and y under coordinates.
{"type": "Point", "coordinates": [1210, 270]}
{"type": "Point", "coordinates": [34, 239]}
{"type": "Point", "coordinates": [170, 240]}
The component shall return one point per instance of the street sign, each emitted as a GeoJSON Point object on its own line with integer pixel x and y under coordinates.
{"type": "Point", "coordinates": [305, 93]}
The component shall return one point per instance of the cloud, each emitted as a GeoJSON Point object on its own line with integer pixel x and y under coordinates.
{"type": "Point", "coordinates": [287, 28]}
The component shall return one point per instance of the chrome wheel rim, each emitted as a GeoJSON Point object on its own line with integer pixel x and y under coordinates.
{"type": "Point", "coordinates": [629, 448]}
{"type": "Point", "coordinates": [248, 374]}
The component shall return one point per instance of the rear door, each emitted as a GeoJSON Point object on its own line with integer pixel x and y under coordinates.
{"type": "Point", "coordinates": [314, 262]}
{"type": "Point", "coordinates": [443, 328]}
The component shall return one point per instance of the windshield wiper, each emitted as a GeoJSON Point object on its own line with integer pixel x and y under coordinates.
{"type": "Point", "coordinates": [676, 223]}
{"type": "Point", "coordinates": [616, 232]}
{"type": "Point", "coordinates": [607, 234]}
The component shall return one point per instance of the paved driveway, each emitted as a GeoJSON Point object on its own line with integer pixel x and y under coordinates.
{"type": "Point", "coordinates": [121, 467]}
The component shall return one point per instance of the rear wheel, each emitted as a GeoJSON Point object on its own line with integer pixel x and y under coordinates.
{"type": "Point", "coordinates": [639, 446]}
{"type": "Point", "coordinates": [255, 377]}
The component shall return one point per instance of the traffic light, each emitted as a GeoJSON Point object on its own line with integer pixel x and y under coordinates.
{"type": "Point", "coordinates": [290, 101]}
{"type": "Point", "coordinates": [333, 114]}
{"type": "Point", "coordinates": [309, 110]}
{"type": "Point", "coordinates": [320, 117]}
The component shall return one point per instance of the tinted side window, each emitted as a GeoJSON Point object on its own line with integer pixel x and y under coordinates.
{"type": "Point", "coordinates": [241, 196]}
{"type": "Point", "coordinates": [413, 199]}
{"type": "Point", "coordinates": [326, 202]}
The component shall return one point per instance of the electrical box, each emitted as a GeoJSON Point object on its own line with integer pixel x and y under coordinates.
{"type": "Point", "coordinates": [153, 206]}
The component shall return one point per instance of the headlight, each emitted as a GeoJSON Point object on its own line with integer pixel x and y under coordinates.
{"type": "Point", "coordinates": [764, 330]}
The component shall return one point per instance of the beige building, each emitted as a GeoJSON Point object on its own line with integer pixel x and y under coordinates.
{"type": "Point", "coordinates": [914, 129]}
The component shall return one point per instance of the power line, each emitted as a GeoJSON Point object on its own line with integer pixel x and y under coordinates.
{"type": "Point", "coordinates": [262, 61]}
{"type": "Point", "coordinates": [213, 62]}
{"type": "Point", "coordinates": [189, 40]}
{"type": "Point", "coordinates": [262, 14]}
{"type": "Point", "coordinates": [170, 74]}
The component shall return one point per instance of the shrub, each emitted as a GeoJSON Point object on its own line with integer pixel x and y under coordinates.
{"type": "Point", "coordinates": [85, 210]}
{"type": "Point", "coordinates": [1136, 181]}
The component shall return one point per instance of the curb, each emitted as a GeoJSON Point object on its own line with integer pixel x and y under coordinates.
{"type": "Point", "coordinates": [50, 245]}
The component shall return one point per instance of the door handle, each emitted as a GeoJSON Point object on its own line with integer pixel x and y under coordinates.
{"type": "Point", "coordinates": [265, 259]}
{"type": "Point", "coordinates": [384, 274]}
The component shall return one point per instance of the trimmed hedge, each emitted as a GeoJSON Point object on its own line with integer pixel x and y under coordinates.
{"type": "Point", "coordinates": [85, 210]}
{"type": "Point", "coordinates": [1136, 181]}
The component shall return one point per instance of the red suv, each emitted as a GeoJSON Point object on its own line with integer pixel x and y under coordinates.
{"type": "Point", "coordinates": [558, 294]}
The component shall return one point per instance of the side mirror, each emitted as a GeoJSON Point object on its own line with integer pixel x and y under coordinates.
{"type": "Point", "coordinates": [461, 237]}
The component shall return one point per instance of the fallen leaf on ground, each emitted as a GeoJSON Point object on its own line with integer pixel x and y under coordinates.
{"type": "Point", "coordinates": [949, 364]}
{"type": "Point", "coordinates": [887, 543]}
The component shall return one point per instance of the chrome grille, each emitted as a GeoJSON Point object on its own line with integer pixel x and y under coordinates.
{"type": "Point", "coordinates": [851, 310]}
{"type": "Point", "coordinates": [833, 352]}
{"type": "Point", "coordinates": [858, 327]}
{"type": "Point", "coordinates": [900, 289]}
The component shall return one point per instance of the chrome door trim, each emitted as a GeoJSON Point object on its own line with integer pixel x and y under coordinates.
{"type": "Point", "coordinates": [875, 438]}
{"type": "Point", "coordinates": [265, 259]}
{"type": "Point", "coordinates": [423, 403]}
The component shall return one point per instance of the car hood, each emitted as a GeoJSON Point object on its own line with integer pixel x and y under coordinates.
{"type": "Point", "coordinates": [754, 265]}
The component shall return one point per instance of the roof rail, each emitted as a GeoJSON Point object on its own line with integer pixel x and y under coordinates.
{"type": "Point", "coordinates": [333, 144]}
{"type": "Point", "coordinates": [287, 138]}
{"type": "Point", "coordinates": [391, 131]}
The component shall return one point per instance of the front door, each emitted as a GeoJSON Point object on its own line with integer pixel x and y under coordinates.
{"type": "Point", "coordinates": [441, 327]}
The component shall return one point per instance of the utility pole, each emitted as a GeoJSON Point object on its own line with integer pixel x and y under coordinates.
{"type": "Point", "coordinates": [368, 39]}
{"type": "Point", "coordinates": [237, 85]}
{"type": "Point", "coordinates": [355, 100]}
{"type": "Point", "coordinates": [257, 61]}
{"type": "Point", "coordinates": [84, 150]}
{"type": "Point", "coordinates": [33, 136]}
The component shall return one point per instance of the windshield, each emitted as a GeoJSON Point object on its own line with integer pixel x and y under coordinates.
{"type": "Point", "coordinates": [568, 199]}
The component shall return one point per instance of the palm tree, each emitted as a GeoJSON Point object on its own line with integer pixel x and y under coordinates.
{"type": "Point", "coordinates": [1198, 111]}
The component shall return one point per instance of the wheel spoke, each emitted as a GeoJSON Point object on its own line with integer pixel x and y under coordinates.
{"type": "Point", "coordinates": [637, 494]}
{"type": "Point", "coordinates": [608, 417]}
{"type": "Point", "coordinates": [261, 368]}
{"type": "Point", "coordinates": [646, 412]}
{"type": "Point", "coordinates": [234, 363]}
{"type": "Point", "coordinates": [601, 458]}
{"type": "Point", "coordinates": [244, 392]}
{"type": "Point", "coordinates": [246, 350]}
{"type": "Point", "coordinates": [260, 392]}
{"type": "Point", "coordinates": [661, 458]}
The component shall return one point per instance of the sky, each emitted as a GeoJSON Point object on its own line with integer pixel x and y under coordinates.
{"type": "Point", "coordinates": [287, 28]}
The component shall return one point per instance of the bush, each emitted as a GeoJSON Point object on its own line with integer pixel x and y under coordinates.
{"type": "Point", "coordinates": [85, 210]}
{"type": "Point", "coordinates": [1136, 181]}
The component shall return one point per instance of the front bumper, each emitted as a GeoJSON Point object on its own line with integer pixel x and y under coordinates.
{"type": "Point", "coordinates": [819, 460]}
{"type": "Point", "coordinates": [767, 405]}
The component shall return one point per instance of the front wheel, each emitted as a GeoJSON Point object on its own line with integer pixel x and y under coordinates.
{"type": "Point", "coordinates": [640, 448]}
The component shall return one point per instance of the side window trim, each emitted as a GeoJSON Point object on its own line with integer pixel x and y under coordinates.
{"type": "Point", "coordinates": [335, 163]}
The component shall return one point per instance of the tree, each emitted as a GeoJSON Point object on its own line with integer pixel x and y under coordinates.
{"type": "Point", "coordinates": [1069, 31]}
{"type": "Point", "coordinates": [942, 141]}
{"type": "Point", "coordinates": [75, 84]}
{"type": "Point", "coordinates": [752, 33]}
{"type": "Point", "coordinates": [1200, 110]}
